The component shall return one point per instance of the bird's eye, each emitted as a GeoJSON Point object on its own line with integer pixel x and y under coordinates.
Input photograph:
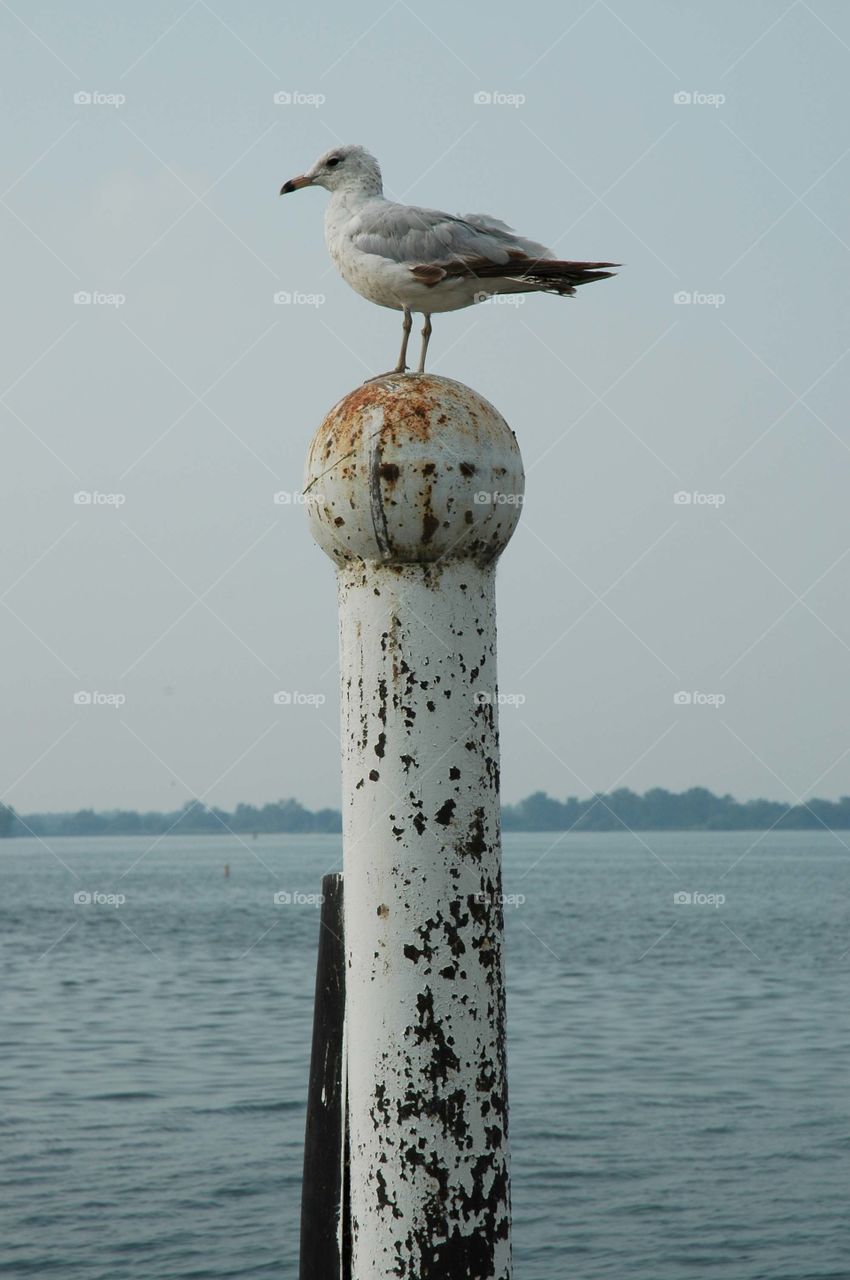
{"type": "Point", "coordinates": [334, 160]}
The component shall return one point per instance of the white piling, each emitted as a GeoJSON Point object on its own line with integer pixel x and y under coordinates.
{"type": "Point", "coordinates": [414, 485]}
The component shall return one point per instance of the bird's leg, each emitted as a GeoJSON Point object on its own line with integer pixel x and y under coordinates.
{"type": "Point", "coordinates": [401, 367]}
{"type": "Point", "coordinates": [407, 325]}
{"type": "Point", "coordinates": [426, 334]}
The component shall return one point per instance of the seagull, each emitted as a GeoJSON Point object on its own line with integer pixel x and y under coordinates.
{"type": "Point", "coordinates": [421, 260]}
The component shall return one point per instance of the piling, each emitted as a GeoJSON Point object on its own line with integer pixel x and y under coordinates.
{"type": "Point", "coordinates": [413, 488]}
{"type": "Point", "coordinates": [324, 1203]}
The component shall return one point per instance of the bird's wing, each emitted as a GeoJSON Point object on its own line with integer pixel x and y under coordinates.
{"type": "Point", "coordinates": [417, 237]}
{"type": "Point", "coordinates": [506, 235]}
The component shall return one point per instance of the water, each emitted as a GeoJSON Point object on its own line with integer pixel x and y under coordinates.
{"type": "Point", "coordinates": [679, 1073]}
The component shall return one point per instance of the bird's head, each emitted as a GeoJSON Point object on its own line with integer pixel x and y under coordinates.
{"type": "Point", "coordinates": [348, 168]}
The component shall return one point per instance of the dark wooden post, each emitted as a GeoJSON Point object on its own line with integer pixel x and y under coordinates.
{"type": "Point", "coordinates": [325, 1248]}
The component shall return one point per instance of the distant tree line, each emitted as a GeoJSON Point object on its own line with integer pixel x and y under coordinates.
{"type": "Point", "coordinates": [194, 818]}
{"type": "Point", "coordinates": [660, 810]}
{"type": "Point", "coordinates": [656, 810]}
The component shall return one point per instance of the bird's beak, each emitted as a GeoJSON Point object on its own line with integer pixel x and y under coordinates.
{"type": "Point", "coordinates": [294, 183]}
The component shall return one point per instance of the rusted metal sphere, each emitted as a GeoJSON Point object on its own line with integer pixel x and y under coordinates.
{"type": "Point", "coordinates": [411, 468]}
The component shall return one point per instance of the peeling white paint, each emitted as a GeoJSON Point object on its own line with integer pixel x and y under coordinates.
{"type": "Point", "coordinates": [396, 468]}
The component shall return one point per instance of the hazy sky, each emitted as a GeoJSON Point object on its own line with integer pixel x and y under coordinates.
{"type": "Point", "coordinates": [194, 400]}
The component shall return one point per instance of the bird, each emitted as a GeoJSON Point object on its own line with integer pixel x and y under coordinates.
{"type": "Point", "coordinates": [423, 261]}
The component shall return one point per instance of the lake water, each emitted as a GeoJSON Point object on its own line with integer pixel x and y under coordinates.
{"type": "Point", "coordinates": [679, 1072]}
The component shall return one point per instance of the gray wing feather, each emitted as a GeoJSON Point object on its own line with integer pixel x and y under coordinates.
{"type": "Point", "coordinates": [410, 235]}
{"type": "Point", "coordinates": [501, 231]}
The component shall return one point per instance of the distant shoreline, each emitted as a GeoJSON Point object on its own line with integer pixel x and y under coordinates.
{"type": "Point", "coordinates": [656, 810]}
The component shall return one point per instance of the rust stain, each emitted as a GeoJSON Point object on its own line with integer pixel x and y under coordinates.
{"type": "Point", "coordinates": [416, 403]}
{"type": "Point", "coordinates": [430, 525]}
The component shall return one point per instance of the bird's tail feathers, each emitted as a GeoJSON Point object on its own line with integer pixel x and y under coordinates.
{"type": "Point", "coordinates": [545, 275]}
{"type": "Point", "coordinates": [556, 276]}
